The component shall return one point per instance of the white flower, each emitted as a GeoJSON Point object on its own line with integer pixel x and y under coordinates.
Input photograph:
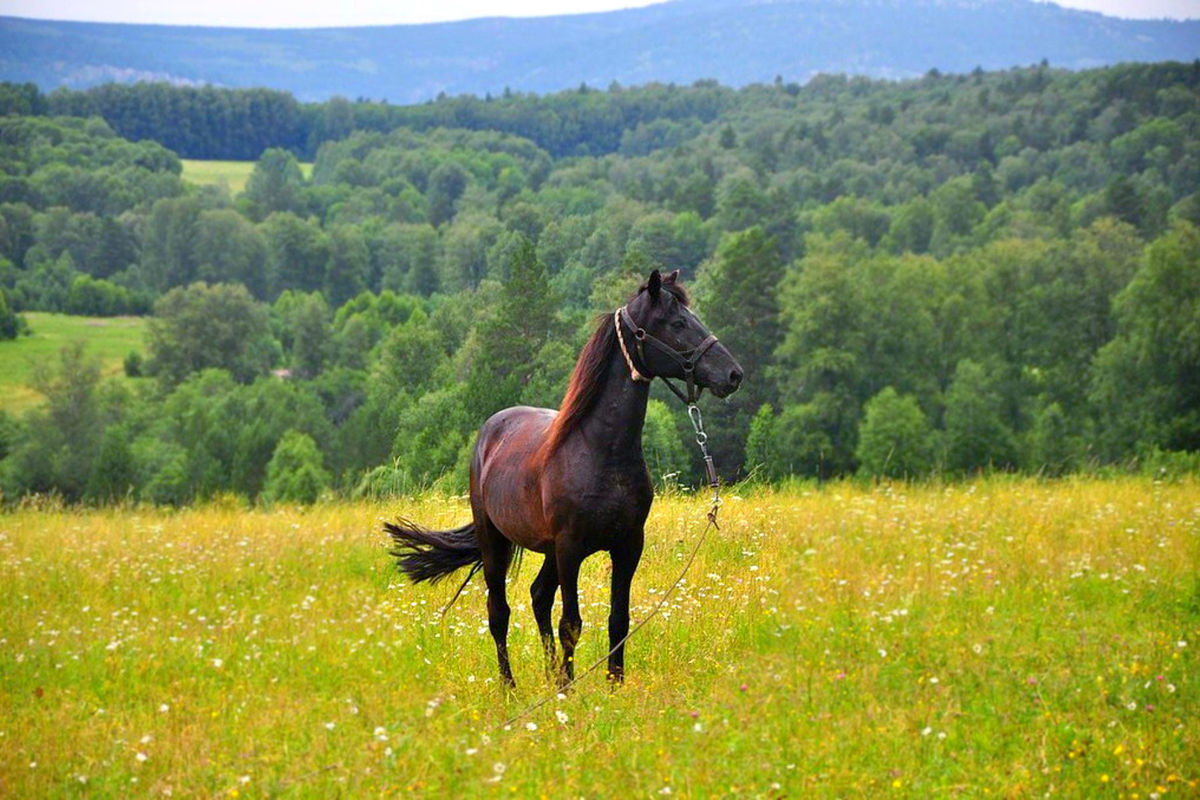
{"type": "Point", "coordinates": [499, 768]}
{"type": "Point", "coordinates": [926, 731]}
{"type": "Point", "coordinates": [141, 756]}
{"type": "Point", "coordinates": [882, 653]}
{"type": "Point", "coordinates": [217, 662]}
{"type": "Point", "coordinates": [531, 726]}
{"type": "Point", "coordinates": [330, 726]}
{"type": "Point", "coordinates": [164, 708]}
{"type": "Point", "coordinates": [561, 716]}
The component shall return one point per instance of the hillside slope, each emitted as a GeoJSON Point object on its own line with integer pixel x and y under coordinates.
{"type": "Point", "coordinates": [734, 41]}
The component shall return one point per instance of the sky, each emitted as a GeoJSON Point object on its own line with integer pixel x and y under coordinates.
{"type": "Point", "coordinates": [305, 13]}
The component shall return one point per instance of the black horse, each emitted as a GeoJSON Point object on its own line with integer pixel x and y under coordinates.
{"type": "Point", "coordinates": [568, 483]}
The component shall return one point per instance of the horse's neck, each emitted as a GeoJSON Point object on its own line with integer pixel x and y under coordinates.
{"type": "Point", "coordinates": [616, 419]}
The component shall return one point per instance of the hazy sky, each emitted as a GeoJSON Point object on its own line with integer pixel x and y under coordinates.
{"type": "Point", "coordinates": [303, 13]}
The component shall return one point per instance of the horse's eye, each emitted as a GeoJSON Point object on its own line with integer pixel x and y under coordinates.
{"type": "Point", "coordinates": [678, 324]}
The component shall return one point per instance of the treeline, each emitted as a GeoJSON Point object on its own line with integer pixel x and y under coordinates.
{"type": "Point", "coordinates": [238, 124]}
{"type": "Point", "coordinates": [985, 271]}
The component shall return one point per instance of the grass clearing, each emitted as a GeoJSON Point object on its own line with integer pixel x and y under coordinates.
{"type": "Point", "coordinates": [233, 174]}
{"type": "Point", "coordinates": [1008, 637]}
{"type": "Point", "coordinates": [110, 339]}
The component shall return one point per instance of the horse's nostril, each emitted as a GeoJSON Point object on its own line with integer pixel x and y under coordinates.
{"type": "Point", "coordinates": [735, 377]}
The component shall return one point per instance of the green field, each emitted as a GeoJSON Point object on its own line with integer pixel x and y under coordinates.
{"type": "Point", "coordinates": [233, 174]}
{"type": "Point", "coordinates": [108, 338]}
{"type": "Point", "coordinates": [1001, 637]}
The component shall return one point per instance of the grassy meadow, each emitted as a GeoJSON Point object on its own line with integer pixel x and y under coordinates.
{"type": "Point", "coordinates": [233, 174]}
{"type": "Point", "coordinates": [108, 338]}
{"type": "Point", "coordinates": [1000, 637]}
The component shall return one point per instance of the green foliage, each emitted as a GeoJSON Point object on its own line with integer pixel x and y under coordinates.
{"type": "Point", "coordinates": [295, 473]}
{"type": "Point", "coordinates": [206, 326]}
{"type": "Point", "coordinates": [60, 439]}
{"type": "Point", "coordinates": [1147, 379]}
{"type": "Point", "coordinates": [894, 437]}
{"type": "Point", "coordinates": [663, 446]}
{"type": "Point", "coordinates": [955, 272]}
{"type": "Point", "coordinates": [977, 436]}
{"type": "Point", "coordinates": [275, 183]}
{"type": "Point", "coordinates": [510, 339]}
{"type": "Point", "coordinates": [11, 325]}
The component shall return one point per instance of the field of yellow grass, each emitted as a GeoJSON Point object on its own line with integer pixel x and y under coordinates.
{"type": "Point", "coordinates": [233, 174]}
{"type": "Point", "coordinates": [999, 637]}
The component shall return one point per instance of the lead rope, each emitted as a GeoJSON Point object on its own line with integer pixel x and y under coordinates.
{"type": "Point", "coordinates": [715, 484]}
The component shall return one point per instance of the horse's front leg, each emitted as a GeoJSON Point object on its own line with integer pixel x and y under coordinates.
{"type": "Point", "coordinates": [571, 625]}
{"type": "Point", "coordinates": [625, 560]}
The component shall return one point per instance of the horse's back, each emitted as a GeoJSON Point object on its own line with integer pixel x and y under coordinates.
{"type": "Point", "coordinates": [504, 476]}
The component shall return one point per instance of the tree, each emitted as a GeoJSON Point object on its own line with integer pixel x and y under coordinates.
{"type": "Point", "coordinates": [10, 323]}
{"type": "Point", "coordinates": [447, 182]}
{"type": "Point", "coordinates": [662, 446]}
{"type": "Point", "coordinates": [739, 300]}
{"type": "Point", "coordinates": [894, 437]}
{"type": "Point", "coordinates": [298, 254]}
{"type": "Point", "coordinates": [510, 339]}
{"type": "Point", "coordinates": [296, 472]}
{"type": "Point", "coordinates": [977, 436]}
{"type": "Point", "coordinates": [1146, 388]}
{"type": "Point", "coordinates": [275, 184]}
{"type": "Point", "coordinates": [61, 438]}
{"type": "Point", "coordinates": [202, 326]}
{"type": "Point", "coordinates": [311, 336]}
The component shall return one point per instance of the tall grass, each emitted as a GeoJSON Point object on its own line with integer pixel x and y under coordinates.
{"type": "Point", "coordinates": [997, 637]}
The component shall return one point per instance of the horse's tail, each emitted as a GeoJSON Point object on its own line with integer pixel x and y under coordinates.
{"type": "Point", "coordinates": [425, 555]}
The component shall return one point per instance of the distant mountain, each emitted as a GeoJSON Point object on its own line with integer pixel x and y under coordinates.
{"type": "Point", "coordinates": [733, 41]}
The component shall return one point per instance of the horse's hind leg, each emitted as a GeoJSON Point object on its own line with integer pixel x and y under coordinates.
{"type": "Point", "coordinates": [542, 592]}
{"type": "Point", "coordinates": [497, 552]}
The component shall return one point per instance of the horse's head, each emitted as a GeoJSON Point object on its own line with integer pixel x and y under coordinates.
{"type": "Point", "coordinates": [675, 337]}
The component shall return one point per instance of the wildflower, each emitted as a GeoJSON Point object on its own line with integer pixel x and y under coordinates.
{"type": "Point", "coordinates": [330, 726]}
{"type": "Point", "coordinates": [164, 708]}
{"type": "Point", "coordinates": [216, 662]}
{"type": "Point", "coordinates": [531, 726]}
{"type": "Point", "coordinates": [882, 653]}
{"type": "Point", "coordinates": [141, 756]}
{"type": "Point", "coordinates": [926, 731]}
{"type": "Point", "coordinates": [561, 716]}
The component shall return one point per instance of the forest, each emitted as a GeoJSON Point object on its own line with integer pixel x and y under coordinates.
{"type": "Point", "coordinates": [994, 271]}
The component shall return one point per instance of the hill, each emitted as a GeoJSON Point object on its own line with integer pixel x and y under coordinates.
{"type": "Point", "coordinates": [736, 42]}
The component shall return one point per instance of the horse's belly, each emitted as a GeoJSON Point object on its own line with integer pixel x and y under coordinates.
{"type": "Point", "coordinates": [506, 484]}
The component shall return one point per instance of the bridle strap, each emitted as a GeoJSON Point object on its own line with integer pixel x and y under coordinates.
{"type": "Point", "coordinates": [686, 359]}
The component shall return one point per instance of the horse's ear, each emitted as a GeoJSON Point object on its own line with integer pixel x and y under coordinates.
{"type": "Point", "coordinates": [670, 279]}
{"type": "Point", "coordinates": [654, 285]}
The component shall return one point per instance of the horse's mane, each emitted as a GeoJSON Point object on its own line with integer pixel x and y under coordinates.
{"type": "Point", "coordinates": [588, 376]}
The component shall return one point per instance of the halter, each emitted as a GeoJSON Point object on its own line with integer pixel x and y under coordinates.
{"type": "Point", "coordinates": [687, 359]}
